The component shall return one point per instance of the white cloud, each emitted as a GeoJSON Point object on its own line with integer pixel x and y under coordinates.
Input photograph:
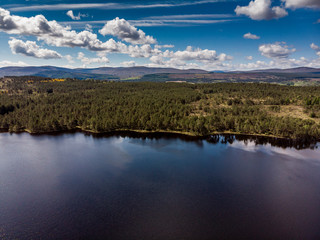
{"type": "Point", "coordinates": [175, 22]}
{"type": "Point", "coordinates": [35, 26]}
{"type": "Point", "coordinates": [125, 31]}
{"type": "Point", "coordinates": [110, 6]}
{"type": "Point", "coordinates": [143, 51]}
{"type": "Point", "coordinates": [316, 48]}
{"type": "Point", "coordinates": [88, 27]}
{"type": "Point", "coordinates": [197, 54]}
{"type": "Point", "coordinates": [31, 49]}
{"type": "Point", "coordinates": [281, 63]}
{"type": "Point", "coordinates": [250, 36]}
{"type": "Point", "coordinates": [276, 50]}
{"type": "Point", "coordinates": [87, 61]}
{"type": "Point", "coordinates": [164, 46]}
{"type": "Point", "coordinates": [128, 63]}
{"type": "Point", "coordinates": [261, 10]}
{"type": "Point", "coordinates": [302, 3]}
{"type": "Point", "coordinates": [188, 58]}
{"type": "Point", "coordinates": [6, 63]}
{"type": "Point", "coordinates": [157, 60]}
{"type": "Point", "coordinates": [249, 57]}
{"type": "Point", "coordinates": [183, 20]}
{"type": "Point", "coordinates": [191, 16]}
{"type": "Point", "coordinates": [253, 65]}
{"type": "Point", "coordinates": [77, 17]}
{"type": "Point", "coordinates": [54, 34]}
{"type": "Point", "coordinates": [154, 22]}
{"type": "Point", "coordinates": [69, 59]}
{"type": "Point", "coordinates": [171, 63]}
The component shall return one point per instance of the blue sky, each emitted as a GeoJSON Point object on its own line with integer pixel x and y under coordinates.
{"type": "Point", "coordinates": [212, 35]}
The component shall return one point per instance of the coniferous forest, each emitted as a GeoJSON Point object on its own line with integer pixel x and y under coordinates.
{"type": "Point", "coordinates": [37, 105]}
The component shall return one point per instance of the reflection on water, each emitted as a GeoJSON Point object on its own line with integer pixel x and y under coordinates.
{"type": "Point", "coordinates": [303, 143]}
{"type": "Point", "coordinates": [259, 140]}
{"type": "Point", "coordinates": [160, 186]}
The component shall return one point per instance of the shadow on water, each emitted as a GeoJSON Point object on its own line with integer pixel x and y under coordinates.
{"type": "Point", "coordinates": [299, 144]}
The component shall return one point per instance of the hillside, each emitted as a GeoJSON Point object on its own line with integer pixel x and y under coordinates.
{"type": "Point", "coordinates": [37, 104]}
{"type": "Point", "coordinates": [96, 73]}
{"type": "Point", "coordinates": [292, 70]}
{"type": "Point", "coordinates": [293, 76]}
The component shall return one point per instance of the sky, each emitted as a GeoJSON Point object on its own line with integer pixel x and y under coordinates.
{"type": "Point", "coordinates": [205, 34]}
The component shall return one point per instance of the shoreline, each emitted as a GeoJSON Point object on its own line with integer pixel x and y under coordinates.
{"type": "Point", "coordinates": [148, 132]}
{"type": "Point", "coordinates": [214, 138]}
{"type": "Point", "coordinates": [189, 134]}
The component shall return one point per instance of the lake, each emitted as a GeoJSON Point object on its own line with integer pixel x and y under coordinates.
{"type": "Point", "coordinates": [77, 186]}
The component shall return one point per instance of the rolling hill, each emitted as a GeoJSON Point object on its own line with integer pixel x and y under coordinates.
{"type": "Point", "coordinates": [96, 73]}
{"type": "Point", "coordinates": [292, 76]}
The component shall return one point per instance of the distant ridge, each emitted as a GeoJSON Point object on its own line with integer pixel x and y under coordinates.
{"type": "Point", "coordinates": [290, 70]}
{"type": "Point", "coordinates": [97, 73]}
{"type": "Point", "coordinates": [116, 73]}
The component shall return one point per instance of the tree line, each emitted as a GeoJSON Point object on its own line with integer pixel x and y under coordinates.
{"type": "Point", "coordinates": [200, 109]}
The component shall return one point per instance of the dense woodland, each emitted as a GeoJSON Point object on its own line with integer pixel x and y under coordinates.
{"type": "Point", "coordinates": [38, 104]}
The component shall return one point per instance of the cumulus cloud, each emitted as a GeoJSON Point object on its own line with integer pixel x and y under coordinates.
{"type": "Point", "coordinates": [188, 58]}
{"type": "Point", "coordinates": [69, 58]}
{"type": "Point", "coordinates": [54, 34]}
{"type": "Point", "coordinates": [276, 50]}
{"type": "Point", "coordinates": [144, 51]}
{"type": "Point", "coordinates": [164, 46]}
{"type": "Point", "coordinates": [87, 61]}
{"type": "Point", "coordinates": [201, 55]}
{"type": "Point", "coordinates": [9, 63]}
{"type": "Point", "coordinates": [278, 63]}
{"type": "Point", "coordinates": [35, 26]}
{"type": "Point", "coordinates": [31, 49]}
{"type": "Point", "coordinates": [75, 17]}
{"type": "Point", "coordinates": [249, 57]}
{"type": "Point", "coordinates": [261, 10]}
{"type": "Point", "coordinates": [250, 36]}
{"type": "Point", "coordinates": [128, 63]}
{"type": "Point", "coordinates": [316, 48]}
{"type": "Point", "coordinates": [84, 39]}
{"type": "Point", "coordinates": [302, 3]}
{"type": "Point", "coordinates": [125, 31]}
{"type": "Point", "coordinates": [157, 61]}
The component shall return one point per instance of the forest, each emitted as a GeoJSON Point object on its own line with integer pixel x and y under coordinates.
{"type": "Point", "coordinates": [40, 105]}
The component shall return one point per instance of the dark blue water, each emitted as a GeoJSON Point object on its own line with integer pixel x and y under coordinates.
{"type": "Point", "coordinates": [74, 186]}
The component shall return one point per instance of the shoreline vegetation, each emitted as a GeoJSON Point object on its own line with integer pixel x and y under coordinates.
{"type": "Point", "coordinates": [214, 138]}
{"type": "Point", "coordinates": [190, 134]}
{"type": "Point", "coordinates": [44, 105]}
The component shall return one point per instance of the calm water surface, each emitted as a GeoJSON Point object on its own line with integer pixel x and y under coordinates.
{"type": "Point", "coordinates": [74, 186]}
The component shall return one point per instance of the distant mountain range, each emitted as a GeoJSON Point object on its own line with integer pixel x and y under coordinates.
{"type": "Point", "coordinates": [290, 70]}
{"type": "Point", "coordinates": [131, 72]}
{"type": "Point", "coordinates": [96, 73]}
